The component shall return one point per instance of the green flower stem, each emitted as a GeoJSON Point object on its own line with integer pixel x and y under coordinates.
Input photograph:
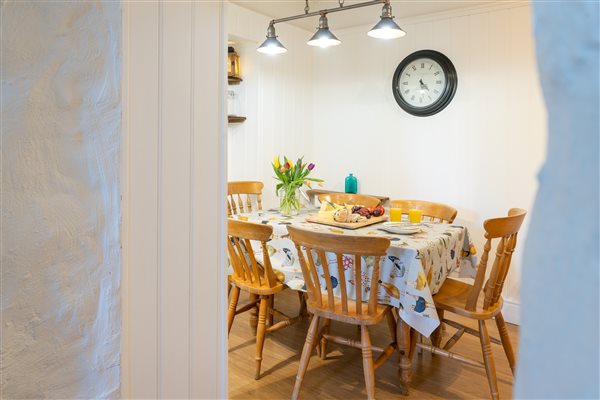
{"type": "Point", "coordinates": [289, 202]}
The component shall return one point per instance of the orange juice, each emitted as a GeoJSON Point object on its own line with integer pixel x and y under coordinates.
{"type": "Point", "coordinates": [415, 215]}
{"type": "Point", "coordinates": [395, 214]}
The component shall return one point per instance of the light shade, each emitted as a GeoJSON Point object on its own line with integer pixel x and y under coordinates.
{"type": "Point", "coordinates": [323, 37]}
{"type": "Point", "coordinates": [386, 28]}
{"type": "Point", "coordinates": [271, 45]}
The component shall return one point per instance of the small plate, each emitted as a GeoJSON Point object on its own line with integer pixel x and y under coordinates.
{"type": "Point", "coordinates": [401, 228]}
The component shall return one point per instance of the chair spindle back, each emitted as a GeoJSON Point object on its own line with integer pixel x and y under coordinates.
{"type": "Point", "coordinates": [312, 248]}
{"type": "Point", "coordinates": [350, 198]}
{"type": "Point", "coordinates": [246, 269]}
{"type": "Point", "coordinates": [505, 229]}
{"type": "Point", "coordinates": [239, 196]}
{"type": "Point", "coordinates": [432, 212]}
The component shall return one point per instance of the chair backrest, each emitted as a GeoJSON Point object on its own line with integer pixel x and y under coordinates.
{"type": "Point", "coordinates": [349, 198]}
{"type": "Point", "coordinates": [432, 212]}
{"type": "Point", "coordinates": [505, 229]}
{"type": "Point", "coordinates": [245, 268]}
{"type": "Point", "coordinates": [312, 246]}
{"type": "Point", "coordinates": [239, 198]}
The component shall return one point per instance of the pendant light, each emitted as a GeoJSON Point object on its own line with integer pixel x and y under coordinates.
{"type": "Point", "coordinates": [271, 45]}
{"type": "Point", "coordinates": [323, 37]}
{"type": "Point", "coordinates": [386, 28]}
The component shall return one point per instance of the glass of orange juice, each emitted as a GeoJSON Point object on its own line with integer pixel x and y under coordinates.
{"type": "Point", "coordinates": [395, 214]}
{"type": "Point", "coordinates": [415, 215]}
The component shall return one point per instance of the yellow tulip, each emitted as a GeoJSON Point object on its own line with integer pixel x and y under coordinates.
{"type": "Point", "coordinates": [276, 161]}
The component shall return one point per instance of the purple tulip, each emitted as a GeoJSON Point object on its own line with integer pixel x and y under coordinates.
{"type": "Point", "coordinates": [310, 167]}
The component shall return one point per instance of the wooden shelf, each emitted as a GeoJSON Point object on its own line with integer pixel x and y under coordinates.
{"type": "Point", "coordinates": [235, 119]}
{"type": "Point", "coordinates": [234, 80]}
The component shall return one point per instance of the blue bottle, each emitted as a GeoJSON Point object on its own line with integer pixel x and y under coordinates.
{"type": "Point", "coordinates": [351, 184]}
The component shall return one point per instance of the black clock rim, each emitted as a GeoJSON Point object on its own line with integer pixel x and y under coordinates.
{"type": "Point", "coordinates": [449, 88]}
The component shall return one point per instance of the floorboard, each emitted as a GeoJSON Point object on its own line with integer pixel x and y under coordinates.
{"type": "Point", "coordinates": [340, 376]}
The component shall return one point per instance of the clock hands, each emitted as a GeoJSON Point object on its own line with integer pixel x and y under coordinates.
{"type": "Point", "coordinates": [423, 85]}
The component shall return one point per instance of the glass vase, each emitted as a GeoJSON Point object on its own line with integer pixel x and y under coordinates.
{"type": "Point", "coordinates": [289, 200]}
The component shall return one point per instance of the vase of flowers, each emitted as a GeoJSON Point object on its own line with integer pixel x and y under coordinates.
{"type": "Point", "coordinates": [291, 177]}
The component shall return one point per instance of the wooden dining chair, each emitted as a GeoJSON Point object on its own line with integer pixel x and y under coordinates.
{"type": "Point", "coordinates": [259, 280]}
{"type": "Point", "coordinates": [432, 212]}
{"type": "Point", "coordinates": [464, 299]}
{"type": "Point", "coordinates": [239, 196]}
{"type": "Point", "coordinates": [311, 247]}
{"type": "Point", "coordinates": [350, 198]}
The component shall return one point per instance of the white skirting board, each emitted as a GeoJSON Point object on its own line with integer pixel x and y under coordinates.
{"type": "Point", "coordinates": [511, 312]}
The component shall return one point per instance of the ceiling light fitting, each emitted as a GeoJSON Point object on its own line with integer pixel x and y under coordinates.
{"type": "Point", "coordinates": [386, 28]}
{"type": "Point", "coordinates": [323, 37]}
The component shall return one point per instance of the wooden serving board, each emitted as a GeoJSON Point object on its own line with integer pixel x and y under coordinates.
{"type": "Point", "coordinates": [347, 225]}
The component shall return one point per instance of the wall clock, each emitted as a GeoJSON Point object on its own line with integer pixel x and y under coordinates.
{"type": "Point", "coordinates": [424, 83]}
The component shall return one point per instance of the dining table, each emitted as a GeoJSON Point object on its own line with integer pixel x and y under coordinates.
{"type": "Point", "coordinates": [414, 269]}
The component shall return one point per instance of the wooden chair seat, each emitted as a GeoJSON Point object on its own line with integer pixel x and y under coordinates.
{"type": "Point", "coordinates": [349, 317]}
{"type": "Point", "coordinates": [453, 296]}
{"type": "Point", "coordinates": [266, 290]}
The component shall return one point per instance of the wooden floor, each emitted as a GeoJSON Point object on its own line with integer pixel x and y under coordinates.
{"type": "Point", "coordinates": [341, 375]}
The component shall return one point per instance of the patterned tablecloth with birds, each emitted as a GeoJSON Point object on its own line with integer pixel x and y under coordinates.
{"type": "Point", "coordinates": [415, 268]}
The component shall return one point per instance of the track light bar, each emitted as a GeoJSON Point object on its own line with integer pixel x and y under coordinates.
{"type": "Point", "coordinates": [385, 29]}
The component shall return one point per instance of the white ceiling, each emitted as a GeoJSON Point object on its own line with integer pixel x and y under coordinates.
{"type": "Point", "coordinates": [362, 16]}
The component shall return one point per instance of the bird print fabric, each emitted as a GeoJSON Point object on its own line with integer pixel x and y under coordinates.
{"type": "Point", "coordinates": [413, 270]}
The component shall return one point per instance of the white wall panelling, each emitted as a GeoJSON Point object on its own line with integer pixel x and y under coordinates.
{"type": "Point", "coordinates": [277, 94]}
{"type": "Point", "coordinates": [481, 154]}
{"type": "Point", "coordinates": [175, 173]}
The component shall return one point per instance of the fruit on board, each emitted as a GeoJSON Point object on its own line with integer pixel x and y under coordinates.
{"type": "Point", "coordinates": [378, 211]}
{"type": "Point", "coordinates": [364, 211]}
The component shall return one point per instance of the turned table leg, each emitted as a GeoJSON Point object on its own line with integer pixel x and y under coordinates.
{"type": "Point", "coordinates": [404, 340]}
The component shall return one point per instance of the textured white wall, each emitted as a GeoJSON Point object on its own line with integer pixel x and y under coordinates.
{"type": "Point", "coordinates": [276, 97]}
{"type": "Point", "coordinates": [61, 117]}
{"type": "Point", "coordinates": [481, 154]}
{"type": "Point", "coordinates": [559, 353]}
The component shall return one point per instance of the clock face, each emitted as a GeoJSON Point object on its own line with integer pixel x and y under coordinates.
{"type": "Point", "coordinates": [424, 83]}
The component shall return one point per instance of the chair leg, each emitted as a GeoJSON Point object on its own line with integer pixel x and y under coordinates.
{"type": "Point", "coordinates": [260, 333]}
{"type": "Point", "coordinates": [232, 307]}
{"type": "Point", "coordinates": [488, 359]}
{"type": "Point", "coordinates": [323, 353]}
{"type": "Point", "coordinates": [302, 299]}
{"type": "Point", "coordinates": [436, 336]}
{"type": "Point", "coordinates": [510, 354]}
{"type": "Point", "coordinates": [253, 314]}
{"type": "Point", "coordinates": [228, 288]}
{"type": "Point", "coordinates": [306, 353]}
{"type": "Point", "coordinates": [271, 308]}
{"type": "Point", "coordinates": [391, 323]}
{"type": "Point", "coordinates": [367, 356]}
